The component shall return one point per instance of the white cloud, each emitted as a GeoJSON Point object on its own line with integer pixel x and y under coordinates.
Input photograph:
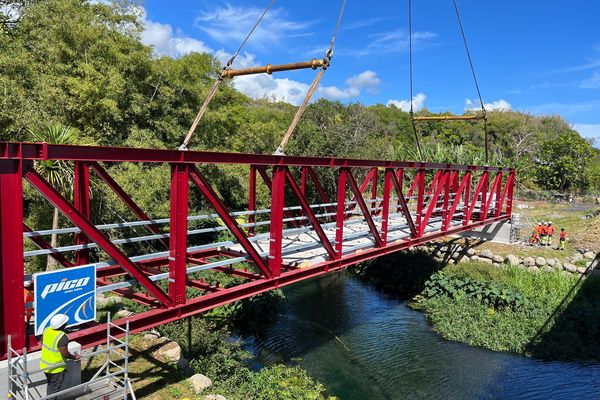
{"type": "Point", "coordinates": [275, 89]}
{"type": "Point", "coordinates": [498, 105]}
{"type": "Point", "coordinates": [393, 42]}
{"type": "Point", "coordinates": [591, 83]}
{"type": "Point", "coordinates": [161, 38]}
{"type": "Point", "coordinates": [591, 131]}
{"type": "Point", "coordinates": [353, 86]}
{"type": "Point", "coordinates": [404, 105]}
{"type": "Point", "coordinates": [230, 24]}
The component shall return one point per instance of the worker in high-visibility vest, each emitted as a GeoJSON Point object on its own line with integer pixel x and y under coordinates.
{"type": "Point", "coordinates": [563, 238]}
{"type": "Point", "coordinates": [550, 232]}
{"type": "Point", "coordinates": [28, 300]}
{"type": "Point", "coordinates": [55, 352]}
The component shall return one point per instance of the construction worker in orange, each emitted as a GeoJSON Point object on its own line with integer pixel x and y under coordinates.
{"type": "Point", "coordinates": [550, 232]}
{"type": "Point", "coordinates": [534, 240]}
{"type": "Point", "coordinates": [28, 300]}
{"type": "Point", "coordinates": [563, 238]}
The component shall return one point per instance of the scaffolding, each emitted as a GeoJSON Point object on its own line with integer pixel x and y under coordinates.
{"type": "Point", "coordinates": [111, 381]}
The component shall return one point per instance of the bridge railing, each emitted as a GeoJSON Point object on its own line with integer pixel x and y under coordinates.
{"type": "Point", "coordinates": [320, 214]}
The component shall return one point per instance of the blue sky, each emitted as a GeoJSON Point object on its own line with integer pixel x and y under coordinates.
{"type": "Point", "coordinates": [535, 56]}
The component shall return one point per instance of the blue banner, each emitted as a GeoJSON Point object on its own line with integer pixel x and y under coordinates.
{"type": "Point", "coordinates": [69, 291]}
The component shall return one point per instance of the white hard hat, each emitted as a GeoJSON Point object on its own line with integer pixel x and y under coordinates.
{"type": "Point", "coordinates": [549, 222]}
{"type": "Point", "coordinates": [58, 321]}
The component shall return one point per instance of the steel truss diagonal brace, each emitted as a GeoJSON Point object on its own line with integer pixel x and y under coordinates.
{"type": "Point", "coordinates": [203, 185]}
{"type": "Point", "coordinates": [403, 205]}
{"type": "Point", "coordinates": [103, 174]}
{"type": "Point", "coordinates": [309, 213]}
{"type": "Point", "coordinates": [94, 234]}
{"type": "Point", "coordinates": [366, 211]}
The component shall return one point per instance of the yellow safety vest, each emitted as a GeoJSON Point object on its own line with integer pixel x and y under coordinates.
{"type": "Point", "coordinates": [50, 352]}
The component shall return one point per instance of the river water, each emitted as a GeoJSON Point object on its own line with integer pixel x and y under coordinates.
{"type": "Point", "coordinates": [363, 344]}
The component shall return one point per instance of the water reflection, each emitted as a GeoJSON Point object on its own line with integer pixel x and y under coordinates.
{"type": "Point", "coordinates": [362, 344]}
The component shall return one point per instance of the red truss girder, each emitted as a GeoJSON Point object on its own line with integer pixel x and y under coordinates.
{"type": "Point", "coordinates": [433, 191]}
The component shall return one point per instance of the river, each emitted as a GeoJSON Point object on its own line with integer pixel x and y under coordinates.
{"type": "Point", "coordinates": [363, 344]}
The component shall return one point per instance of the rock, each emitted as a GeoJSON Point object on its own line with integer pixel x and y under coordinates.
{"type": "Point", "coordinates": [170, 352]}
{"type": "Point", "coordinates": [551, 262]}
{"type": "Point", "coordinates": [471, 252]}
{"type": "Point", "coordinates": [486, 260]}
{"type": "Point", "coordinates": [529, 261]}
{"type": "Point", "coordinates": [475, 258]}
{"type": "Point", "coordinates": [199, 382]}
{"type": "Point", "coordinates": [123, 314]}
{"type": "Point", "coordinates": [558, 264]}
{"type": "Point", "coordinates": [590, 255]}
{"type": "Point", "coordinates": [451, 261]}
{"type": "Point", "coordinates": [547, 268]}
{"type": "Point", "coordinates": [588, 264]}
{"type": "Point", "coordinates": [540, 261]}
{"type": "Point", "coordinates": [498, 259]}
{"type": "Point", "coordinates": [534, 269]}
{"type": "Point", "coordinates": [512, 260]}
{"type": "Point", "coordinates": [576, 257]}
{"type": "Point", "coordinates": [582, 270]}
{"type": "Point", "coordinates": [570, 267]}
{"type": "Point", "coordinates": [183, 365]}
{"type": "Point", "coordinates": [455, 255]}
{"type": "Point", "coordinates": [464, 259]}
{"type": "Point", "coordinates": [103, 301]}
{"type": "Point", "coordinates": [214, 397]}
{"type": "Point", "coordinates": [486, 254]}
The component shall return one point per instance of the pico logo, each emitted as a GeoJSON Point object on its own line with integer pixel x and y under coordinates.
{"type": "Point", "coordinates": [64, 285]}
{"type": "Point", "coordinates": [69, 291]}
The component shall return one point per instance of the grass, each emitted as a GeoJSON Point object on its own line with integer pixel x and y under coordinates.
{"type": "Point", "coordinates": [562, 323]}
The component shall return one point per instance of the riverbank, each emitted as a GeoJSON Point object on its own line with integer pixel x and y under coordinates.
{"type": "Point", "coordinates": [204, 358]}
{"type": "Point", "coordinates": [550, 314]}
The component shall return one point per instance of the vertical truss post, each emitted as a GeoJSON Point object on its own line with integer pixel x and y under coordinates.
{"type": "Point", "coordinates": [387, 187]}
{"type": "Point", "coordinates": [511, 188]}
{"type": "Point", "coordinates": [484, 194]}
{"type": "Point", "coordinates": [373, 203]}
{"type": "Point", "coordinates": [304, 179]}
{"type": "Point", "coordinates": [180, 175]}
{"type": "Point", "coordinates": [341, 208]}
{"type": "Point", "coordinates": [467, 195]}
{"type": "Point", "coordinates": [276, 234]}
{"type": "Point", "coordinates": [252, 199]}
{"type": "Point", "coordinates": [450, 188]}
{"type": "Point", "coordinates": [400, 180]}
{"type": "Point", "coordinates": [366, 211]}
{"type": "Point", "coordinates": [12, 265]}
{"type": "Point", "coordinates": [81, 200]}
{"type": "Point", "coordinates": [420, 182]}
{"type": "Point", "coordinates": [498, 205]}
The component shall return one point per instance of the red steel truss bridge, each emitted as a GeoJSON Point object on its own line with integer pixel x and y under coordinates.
{"type": "Point", "coordinates": [322, 214]}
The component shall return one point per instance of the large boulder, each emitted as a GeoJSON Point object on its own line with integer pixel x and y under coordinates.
{"type": "Point", "coordinates": [497, 259]}
{"type": "Point", "coordinates": [529, 261]}
{"type": "Point", "coordinates": [590, 255]}
{"type": "Point", "coordinates": [170, 352]}
{"type": "Point", "coordinates": [540, 261]}
{"type": "Point", "coordinates": [214, 397]}
{"type": "Point", "coordinates": [199, 382]}
{"type": "Point", "coordinates": [511, 259]}
{"type": "Point", "coordinates": [570, 267]}
{"type": "Point", "coordinates": [486, 254]}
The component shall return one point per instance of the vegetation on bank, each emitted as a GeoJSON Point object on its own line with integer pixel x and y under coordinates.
{"type": "Point", "coordinates": [552, 315]}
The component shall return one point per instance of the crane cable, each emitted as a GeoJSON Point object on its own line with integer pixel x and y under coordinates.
{"type": "Point", "coordinates": [217, 83]}
{"type": "Point", "coordinates": [411, 113]}
{"type": "Point", "coordinates": [313, 87]}
{"type": "Point", "coordinates": [483, 110]}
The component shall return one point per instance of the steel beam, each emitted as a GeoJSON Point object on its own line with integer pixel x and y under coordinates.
{"type": "Point", "coordinates": [81, 201]}
{"type": "Point", "coordinates": [180, 177]}
{"type": "Point", "coordinates": [12, 266]}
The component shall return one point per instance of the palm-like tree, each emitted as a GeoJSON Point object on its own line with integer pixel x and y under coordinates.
{"type": "Point", "coordinates": [57, 173]}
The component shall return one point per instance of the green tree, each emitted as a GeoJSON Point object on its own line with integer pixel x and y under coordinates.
{"type": "Point", "coordinates": [58, 173]}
